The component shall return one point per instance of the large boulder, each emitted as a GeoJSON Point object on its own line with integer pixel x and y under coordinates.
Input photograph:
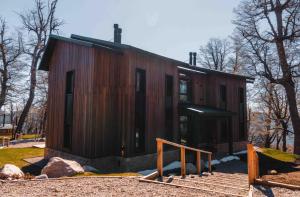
{"type": "Point", "coordinates": [58, 167]}
{"type": "Point", "coordinates": [10, 171]}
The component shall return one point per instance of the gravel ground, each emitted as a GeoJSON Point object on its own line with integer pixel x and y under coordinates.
{"type": "Point", "coordinates": [259, 191]}
{"type": "Point", "coordinates": [90, 186]}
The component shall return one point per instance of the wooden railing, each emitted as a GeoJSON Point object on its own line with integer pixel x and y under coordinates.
{"type": "Point", "coordinates": [253, 165]}
{"type": "Point", "coordinates": [161, 142]}
{"type": "Point", "coordinates": [5, 141]}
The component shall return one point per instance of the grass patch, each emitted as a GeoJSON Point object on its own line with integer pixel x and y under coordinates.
{"type": "Point", "coordinates": [109, 174]}
{"type": "Point", "coordinates": [279, 155]}
{"type": "Point", "coordinates": [30, 136]}
{"type": "Point", "coordinates": [16, 155]}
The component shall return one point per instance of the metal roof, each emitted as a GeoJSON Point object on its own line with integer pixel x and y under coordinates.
{"type": "Point", "coordinates": [117, 47]}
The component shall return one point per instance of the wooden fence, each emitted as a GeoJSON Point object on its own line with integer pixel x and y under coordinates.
{"type": "Point", "coordinates": [253, 164]}
{"type": "Point", "coordinates": [161, 142]}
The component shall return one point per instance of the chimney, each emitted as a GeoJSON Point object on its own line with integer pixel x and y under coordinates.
{"type": "Point", "coordinates": [117, 34]}
{"type": "Point", "coordinates": [116, 28]}
{"type": "Point", "coordinates": [194, 58]}
{"type": "Point", "coordinates": [191, 58]}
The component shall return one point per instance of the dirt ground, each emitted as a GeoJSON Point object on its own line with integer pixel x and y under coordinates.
{"type": "Point", "coordinates": [261, 191]}
{"type": "Point", "coordinates": [90, 186]}
{"type": "Point", "coordinates": [288, 178]}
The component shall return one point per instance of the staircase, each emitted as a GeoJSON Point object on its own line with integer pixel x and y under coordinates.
{"type": "Point", "coordinates": [216, 184]}
{"type": "Point", "coordinates": [231, 181]}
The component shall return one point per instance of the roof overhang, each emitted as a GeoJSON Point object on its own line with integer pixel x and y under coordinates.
{"type": "Point", "coordinates": [44, 63]}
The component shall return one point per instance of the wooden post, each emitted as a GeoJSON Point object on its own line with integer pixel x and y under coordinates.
{"type": "Point", "coordinates": [182, 155]}
{"type": "Point", "coordinates": [256, 165]}
{"type": "Point", "coordinates": [251, 164]}
{"type": "Point", "coordinates": [209, 162]}
{"type": "Point", "coordinates": [160, 158]}
{"type": "Point", "coordinates": [198, 163]}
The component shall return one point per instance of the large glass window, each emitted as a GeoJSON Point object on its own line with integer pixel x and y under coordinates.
{"type": "Point", "coordinates": [224, 131]}
{"type": "Point", "coordinates": [223, 97]}
{"type": "Point", "coordinates": [184, 90]}
{"type": "Point", "coordinates": [241, 113]}
{"type": "Point", "coordinates": [140, 110]}
{"type": "Point", "coordinates": [169, 107]}
{"type": "Point", "coordinates": [183, 127]}
{"type": "Point", "coordinates": [68, 117]}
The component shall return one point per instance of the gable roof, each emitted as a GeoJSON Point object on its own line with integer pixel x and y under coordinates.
{"type": "Point", "coordinates": [117, 47]}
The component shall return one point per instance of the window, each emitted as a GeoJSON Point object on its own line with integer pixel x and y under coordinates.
{"type": "Point", "coordinates": [223, 97]}
{"type": "Point", "coordinates": [241, 113]}
{"type": "Point", "coordinates": [224, 131]}
{"type": "Point", "coordinates": [169, 107]}
{"type": "Point", "coordinates": [68, 117]}
{"type": "Point", "coordinates": [140, 110]}
{"type": "Point", "coordinates": [183, 127]}
{"type": "Point", "coordinates": [184, 90]}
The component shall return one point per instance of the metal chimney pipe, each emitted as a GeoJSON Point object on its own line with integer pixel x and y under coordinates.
{"type": "Point", "coordinates": [119, 35]}
{"type": "Point", "coordinates": [191, 58]}
{"type": "Point", "coordinates": [194, 58]}
{"type": "Point", "coordinates": [116, 29]}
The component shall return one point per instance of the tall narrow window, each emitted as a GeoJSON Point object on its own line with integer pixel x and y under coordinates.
{"type": "Point", "coordinates": [183, 127]}
{"type": "Point", "coordinates": [241, 114]}
{"type": "Point", "coordinates": [140, 110]}
{"type": "Point", "coordinates": [169, 107]}
{"type": "Point", "coordinates": [224, 131]}
{"type": "Point", "coordinates": [223, 97]}
{"type": "Point", "coordinates": [185, 90]}
{"type": "Point", "coordinates": [68, 118]}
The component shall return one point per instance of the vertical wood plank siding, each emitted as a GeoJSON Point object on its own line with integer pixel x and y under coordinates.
{"type": "Point", "coordinates": [68, 57]}
{"type": "Point", "coordinates": [104, 98]}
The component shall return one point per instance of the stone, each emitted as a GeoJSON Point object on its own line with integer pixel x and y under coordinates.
{"type": "Point", "coordinates": [42, 176]}
{"type": "Point", "coordinates": [58, 167]}
{"type": "Point", "coordinates": [190, 168]}
{"type": "Point", "coordinates": [273, 172]}
{"type": "Point", "coordinates": [10, 171]}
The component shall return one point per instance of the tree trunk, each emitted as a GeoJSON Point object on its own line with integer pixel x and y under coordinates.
{"type": "Point", "coordinates": [30, 98]}
{"type": "Point", "coordinates": [289, 87]}
{"type": "Point", "coordinates": [291, 97]}
{"type": "Point", "coordinates": [3, 88]}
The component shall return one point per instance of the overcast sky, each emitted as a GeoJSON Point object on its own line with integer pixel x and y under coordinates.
{"type": "Point", "coordinates": [167, 27]}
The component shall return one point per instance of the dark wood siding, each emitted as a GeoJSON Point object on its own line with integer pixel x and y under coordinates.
{"type": "Point", "coordinates": [156, 70]}
{"type": "Point", "coordinates": [66, 57]}
{"type": "Point", "coordinates": [110, 97]}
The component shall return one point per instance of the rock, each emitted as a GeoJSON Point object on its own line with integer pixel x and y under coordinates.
{"type": "Point", "coordinates": [42, 176]}
{"type": "Point", "coordinates": [273, 172]}
{"type": "Point", "coordinates": [88, 168]}
{"type": "Point", "coordinates": [190, 168]}
{"type": "Point", "coordinates": [58, 167]}
{"type": "Point", "coordinates": [10, 171]}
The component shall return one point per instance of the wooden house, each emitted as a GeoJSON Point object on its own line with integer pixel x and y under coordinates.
{"type": "Point", "coordinates": [108, 99]}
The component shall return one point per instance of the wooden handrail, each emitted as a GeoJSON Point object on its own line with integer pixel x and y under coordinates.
{"type": "Point", "coordinates": [160, 143]}
{"type": "Point", "coordinates": [181, 146]}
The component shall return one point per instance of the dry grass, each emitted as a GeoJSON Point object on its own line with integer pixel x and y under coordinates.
{"type": "Point", "coordinates": [15, 156]}
{"type": "Point", "coordinates": [279, 155]}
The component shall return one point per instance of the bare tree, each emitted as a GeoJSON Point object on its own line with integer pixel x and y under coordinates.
{"type": "Point", "coordinates": [214, 55]}
{"type": "Point", "coordinates": [280, 114]}
{"type": "Point", "coordinates": [271, 29]}
{"type": "Point", "coordinates": [10, 52]}
{"type": "Point", "coordinates": [39, 22]}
